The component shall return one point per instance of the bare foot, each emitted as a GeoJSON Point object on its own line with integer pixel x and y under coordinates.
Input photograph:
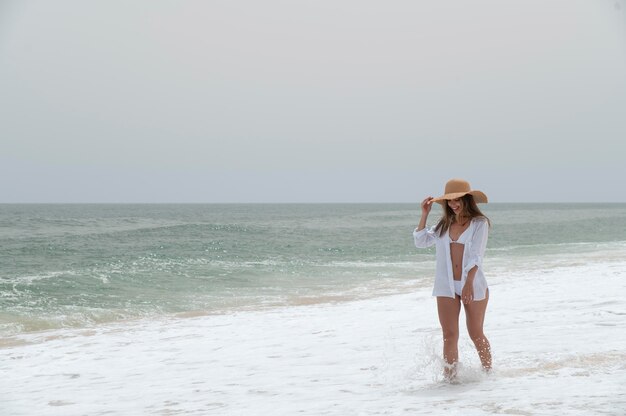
{"type": "Point", "coordinates": [450, 372]}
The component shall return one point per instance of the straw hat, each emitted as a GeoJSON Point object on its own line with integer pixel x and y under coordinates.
{"type": "Point", "coordinates": [456, 188]}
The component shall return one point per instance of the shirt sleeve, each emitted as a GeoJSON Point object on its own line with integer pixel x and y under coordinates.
{"type": "Point", "coordinates": [424, 237]}
{"type": "Point", "coordinates": [478, 246]}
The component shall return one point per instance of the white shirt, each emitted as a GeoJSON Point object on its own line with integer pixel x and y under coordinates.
{"type": "Point", "coordinates": [475, 240]}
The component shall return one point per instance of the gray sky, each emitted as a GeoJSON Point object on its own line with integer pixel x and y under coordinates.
{"type": "Point", "coordinates": [311, 101]}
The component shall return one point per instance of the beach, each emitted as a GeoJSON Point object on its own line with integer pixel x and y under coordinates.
{"type": "Point", "coordinates": [557, 337]}
{"type": "Point", "coordinates": [302, 309]}
{"type": "Point", "coordinates": [210, 208]}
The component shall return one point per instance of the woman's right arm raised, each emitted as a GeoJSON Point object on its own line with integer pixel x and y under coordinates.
{"type": "Point", "coordinates": [427, 204]}
{"type": "Point", "coordinates": [424, 238]}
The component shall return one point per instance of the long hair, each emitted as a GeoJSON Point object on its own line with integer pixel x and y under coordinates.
{"type": "Point", "coordinates": [469, 209]}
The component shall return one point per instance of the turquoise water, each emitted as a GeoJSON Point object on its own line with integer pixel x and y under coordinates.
{"type": "Point", "coordinates": [79, 265]}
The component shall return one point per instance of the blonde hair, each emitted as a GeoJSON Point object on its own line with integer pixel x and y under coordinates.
{"type": "Point", "coordinates": [469, 209]}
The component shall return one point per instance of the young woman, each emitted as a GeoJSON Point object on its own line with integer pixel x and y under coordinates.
{"type": "Point", "coordinates": [460, 238]}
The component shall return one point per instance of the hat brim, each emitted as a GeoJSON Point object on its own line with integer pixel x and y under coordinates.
{"type": "Point", "coordinates": [479, 197]}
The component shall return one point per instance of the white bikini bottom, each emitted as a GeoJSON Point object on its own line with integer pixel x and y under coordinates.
{"type": "Point", "coordinates": [458, 286]}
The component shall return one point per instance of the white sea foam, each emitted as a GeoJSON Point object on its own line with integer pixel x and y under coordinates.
{"type": "Point", "coordinates": [558, 341]}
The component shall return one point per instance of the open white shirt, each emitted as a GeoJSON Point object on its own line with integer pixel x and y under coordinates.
{"type": "Point", "coordinates": [473, 253]}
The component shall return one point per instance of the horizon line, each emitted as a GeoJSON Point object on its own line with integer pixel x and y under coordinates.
{"type": "Point", "coordinates": [289, 203]}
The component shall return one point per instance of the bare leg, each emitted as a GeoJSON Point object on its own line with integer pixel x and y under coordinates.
{"type": "Point", "coordinates": [449, 310]}
{"type": "Point", "coordinates": [475, 317]}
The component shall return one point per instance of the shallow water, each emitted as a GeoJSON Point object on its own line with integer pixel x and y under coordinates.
{"type": "Point", "coordinates": [558, 350]}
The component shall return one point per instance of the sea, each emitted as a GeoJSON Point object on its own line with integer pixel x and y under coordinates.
{"type": "Point", "coordinates": [89, 291]}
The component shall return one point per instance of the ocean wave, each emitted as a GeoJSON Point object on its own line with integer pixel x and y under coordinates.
{"type": "Point", "coordinates": [602, 245]}
{"type": "Point", "coordinates": [379, 264]}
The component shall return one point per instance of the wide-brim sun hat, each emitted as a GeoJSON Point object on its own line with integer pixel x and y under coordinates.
{"type": "Point", "coordinates": [456, 188]}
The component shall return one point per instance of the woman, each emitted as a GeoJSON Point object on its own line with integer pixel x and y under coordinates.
{"type": "Point", "coordinates": [460, 238]}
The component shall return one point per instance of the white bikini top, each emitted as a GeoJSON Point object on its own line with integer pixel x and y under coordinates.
{"type": "Point", "coordinates": [462, 238]}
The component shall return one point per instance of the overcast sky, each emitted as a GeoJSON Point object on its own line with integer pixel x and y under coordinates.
{"type": "Point", "coordinates": [311, 101]}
